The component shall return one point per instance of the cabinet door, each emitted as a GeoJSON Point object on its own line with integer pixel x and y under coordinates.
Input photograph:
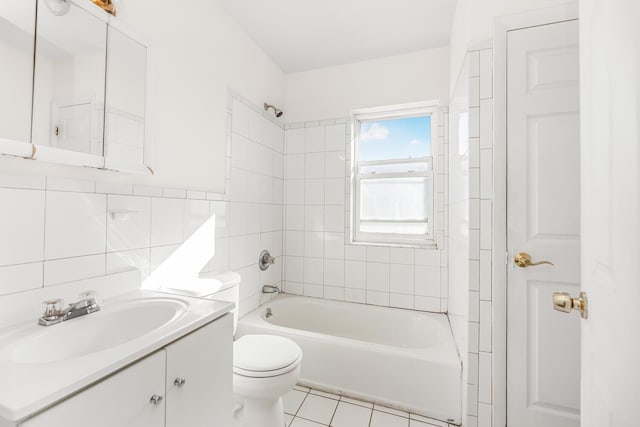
{"type": "Point", "coordinates": [203, 360]}
{"type": "Point", "coordinates": [121, 400]}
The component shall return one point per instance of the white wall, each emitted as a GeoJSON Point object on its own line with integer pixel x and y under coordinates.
{"type": "Point", "coordinates": [473, 23]}
{"type": "Point", "coordinates": [332, 92]}
{"type": "Point", "coordinates": [199, 51]}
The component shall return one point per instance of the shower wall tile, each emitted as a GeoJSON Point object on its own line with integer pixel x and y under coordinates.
{"type": "Point", "coordinates": [477, 364]}
{"type": "Point", "coordinates": [380, 275]}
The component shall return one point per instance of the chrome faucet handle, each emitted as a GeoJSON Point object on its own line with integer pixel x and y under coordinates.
{"type": "Point", "coordinates": [53, 308]}
{"type": "Point", "coordinates": [265, 260]}
{"type": "Point", "coordinates": [88, 295]}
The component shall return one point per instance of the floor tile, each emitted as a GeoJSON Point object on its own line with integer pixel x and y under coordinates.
{"type": "Point", "coordinates": [301, 422]}
{"type": "Point", "coordinates": [325, 394]}
{"type": "Point", "coordinates": [383, 419]}
{"type": "Point", "coordinates": [292, 401]}
{"type": "Point", "coordinates": [348, 415]}
{"type": "Point", "coordinates": [317, 408]}
{"type": "Point", "coordinates": [287, 419]}
{"type": "Point", "coordinates": [392, 411]}
{"type": "Point", "coordinates": [357, 402]}
{"type": "Point", "coordinates": [301, 388]}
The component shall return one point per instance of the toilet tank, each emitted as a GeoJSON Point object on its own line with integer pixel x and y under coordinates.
{"type": "Point", "coordinates": [221, 286]}
{"type": "Point", "coordinates": [229, 291]}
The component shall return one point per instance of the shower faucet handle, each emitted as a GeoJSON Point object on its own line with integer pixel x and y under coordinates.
{"type": "Point", "coordinates": [265, 260]}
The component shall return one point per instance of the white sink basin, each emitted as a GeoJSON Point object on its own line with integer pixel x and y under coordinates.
{"type": "Point", "coordinates": [114, 325]}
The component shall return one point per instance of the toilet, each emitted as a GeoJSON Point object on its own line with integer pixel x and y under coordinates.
{"type": "Point", "coordinates": [265, 367]}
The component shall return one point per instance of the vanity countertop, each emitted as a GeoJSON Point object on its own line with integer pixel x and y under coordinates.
{"type": "Point", "coordinates": [42, 365]}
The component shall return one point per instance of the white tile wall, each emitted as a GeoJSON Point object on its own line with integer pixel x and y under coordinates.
{"type": "Point", "coordinates": [477, 233]}
{"type": "Point", "coordinates": [317, 195]}
{"type": "Point", "coordinates": [21, 223]}
{"type": "Point", "coordinates": [59, 230]}
{"type": "Point", "coordinates": [255, 209]}
{"type": "Point", "coordinates": [75, 224]}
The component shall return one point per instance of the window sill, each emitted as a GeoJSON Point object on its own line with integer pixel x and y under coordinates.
{"type": "Point", "coordinates": [430, 244]}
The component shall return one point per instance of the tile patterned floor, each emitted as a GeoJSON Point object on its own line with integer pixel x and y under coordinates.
{"type": "Point", "coordinates": [306, 407]}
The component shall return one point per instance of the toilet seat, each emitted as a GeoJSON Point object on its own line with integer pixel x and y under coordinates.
{"type": "Point", "coordinates": [261, 356]}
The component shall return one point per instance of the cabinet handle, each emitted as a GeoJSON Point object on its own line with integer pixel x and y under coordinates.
{"type": "Point", "coordinates": [155, 400]}
{"type": "Point", "coordinates": [179, 382]}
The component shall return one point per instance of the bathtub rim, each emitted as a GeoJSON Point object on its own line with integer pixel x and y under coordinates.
{"type": "Point", "coordinates": [440, 353]}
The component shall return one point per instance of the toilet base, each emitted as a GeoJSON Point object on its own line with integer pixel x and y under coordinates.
{"type": "Point", "coordinates": [260, 413]}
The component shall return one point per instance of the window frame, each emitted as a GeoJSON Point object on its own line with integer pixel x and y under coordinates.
{"type": "Point", "coordinates": [421, 109]}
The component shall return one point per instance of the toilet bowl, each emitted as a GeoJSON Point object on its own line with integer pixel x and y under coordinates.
{"type": "Point", "coordinates": [265, 367]}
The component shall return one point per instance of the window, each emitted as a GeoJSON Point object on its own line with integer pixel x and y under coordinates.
{"type": "Point", "coordinates": [392, 175]}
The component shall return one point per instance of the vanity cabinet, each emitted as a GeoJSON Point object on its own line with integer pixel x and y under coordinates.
{"type": "Point", "coordinates": [120, 400]}
{"type": "Point", "coordinates": [200, 377]}
{"type": "Point", "coordinates": [186, 384]}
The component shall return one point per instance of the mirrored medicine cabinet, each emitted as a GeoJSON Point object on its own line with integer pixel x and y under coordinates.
{"type": "Point", "coordinates": [74, 86]}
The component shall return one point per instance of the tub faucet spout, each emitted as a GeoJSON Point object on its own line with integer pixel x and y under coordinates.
{"type": "Point", "coordinates": [268, 289]}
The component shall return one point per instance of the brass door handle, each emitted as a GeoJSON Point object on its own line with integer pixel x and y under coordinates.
{"type": "Point", "coordinates": [563, 302]}
{"type": "Point", "coordinates": [523, 260]}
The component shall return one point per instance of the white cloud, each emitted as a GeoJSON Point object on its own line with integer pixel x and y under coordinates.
{"type": "Point", "coordinates": [375, 131]}
{"type": "Point", "coordinates": [416, 142]}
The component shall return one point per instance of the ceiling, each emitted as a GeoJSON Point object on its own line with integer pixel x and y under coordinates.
{"type": "Point", "coordinates": [301, 35]}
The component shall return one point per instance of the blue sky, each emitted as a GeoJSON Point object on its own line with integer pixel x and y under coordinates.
{"type": "Point", "coordinates": [395, 139]}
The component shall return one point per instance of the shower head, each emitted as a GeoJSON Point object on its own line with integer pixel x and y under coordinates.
{"type": "Point", "coordinates": [278, 112]}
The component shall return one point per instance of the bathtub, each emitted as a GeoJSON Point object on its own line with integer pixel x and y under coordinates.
{"type": "Point", "coordinates": [400, 358]}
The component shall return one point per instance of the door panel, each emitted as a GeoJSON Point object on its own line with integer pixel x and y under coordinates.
{"type": "Point", "coordinates": [543, 219]}
{"type": "Point", "coordinates": [553, 143]}
{"type": "Point", "coordinates": [547, 330]}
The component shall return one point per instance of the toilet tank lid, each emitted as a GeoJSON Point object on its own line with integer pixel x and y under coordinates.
{"type": "Point", "coordinates": [226, 278]}
{"type": "Point", "coordinates": [206, 285]}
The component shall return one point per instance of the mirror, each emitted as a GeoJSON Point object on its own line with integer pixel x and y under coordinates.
{"type": "Point", "coordinates": [17, 29]}
{"type": "Point", "coordinates": [69, 79]}
{"type": "Point", "coordinates": [125, 101]}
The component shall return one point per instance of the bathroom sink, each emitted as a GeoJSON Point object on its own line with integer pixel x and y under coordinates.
{"type": "Point", "coordinates": [115, 324]}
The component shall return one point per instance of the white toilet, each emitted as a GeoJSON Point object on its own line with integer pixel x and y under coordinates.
{"type": "Point", "coordinates": [265, 367]}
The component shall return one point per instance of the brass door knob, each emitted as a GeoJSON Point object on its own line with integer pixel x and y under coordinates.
{"type": "Point", "coordinates": [523, 260]}
{"type": "Point", "coordinates": [563, 302]}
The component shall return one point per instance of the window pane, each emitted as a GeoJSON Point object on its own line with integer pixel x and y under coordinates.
{"type": "Point", "coordinates": [393, 228]}
{"type": "Point", "coordinates": [396, 168]}
{"type": "Point", "coordinates": [395, 139]}
{"type": "Point", "coordinates": [394, 205]}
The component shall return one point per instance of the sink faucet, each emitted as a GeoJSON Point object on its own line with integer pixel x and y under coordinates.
{"type": "Point", "coordinates": [268, 289]}
{"type": "Point", "coordinates": [54, 312]}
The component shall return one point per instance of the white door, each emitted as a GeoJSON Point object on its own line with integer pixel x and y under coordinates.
{"type": "Point", "coordinates": [610, 82]}
{"type": "Point", "coordinates": [199, 377]}
{"type": "Point", "coordinates": [543, 220]}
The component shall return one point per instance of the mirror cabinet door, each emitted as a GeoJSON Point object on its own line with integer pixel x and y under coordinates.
{"type": "Point", "coordinates": [17, 29]}
{"type": "Point", "coordinates": [69, 80]}
{"type": "Point", "coordinates": [125, 102]}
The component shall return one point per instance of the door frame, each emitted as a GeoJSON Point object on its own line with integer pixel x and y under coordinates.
{"type": "Point", "coordinates": [502, 27]}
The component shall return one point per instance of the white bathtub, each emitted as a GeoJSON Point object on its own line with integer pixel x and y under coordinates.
{"type": "Point", "coordinates": [401, 358]}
